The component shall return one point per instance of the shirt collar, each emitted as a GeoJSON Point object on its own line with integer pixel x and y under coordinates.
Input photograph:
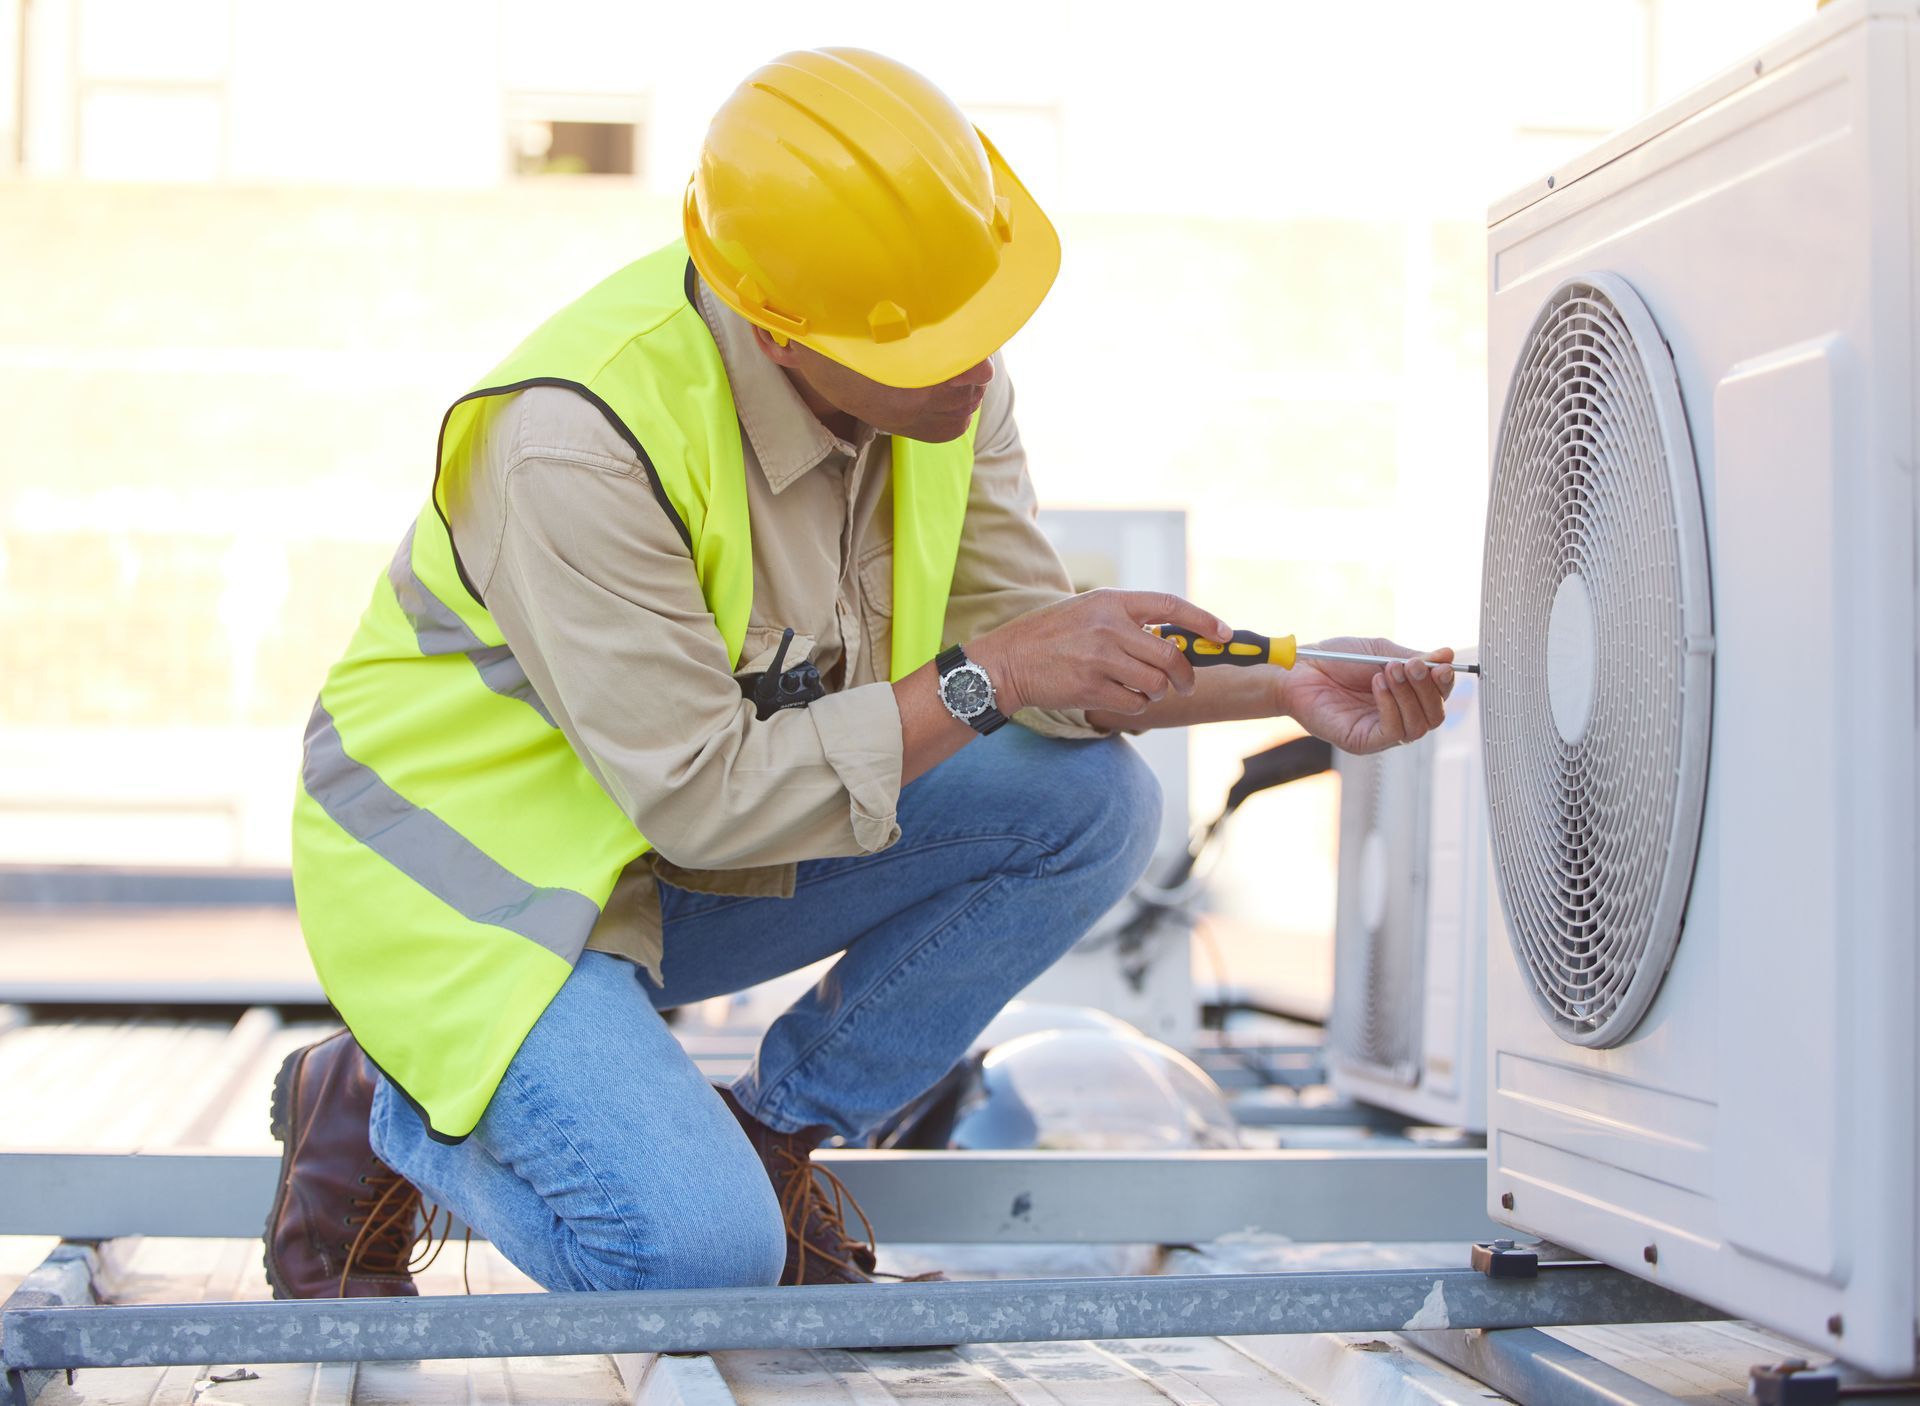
{"type": "Point", "coordinates": [787, 438]}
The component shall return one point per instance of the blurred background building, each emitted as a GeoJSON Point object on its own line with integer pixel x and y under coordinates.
{"type": "Point", "coordinates": [250, 251]}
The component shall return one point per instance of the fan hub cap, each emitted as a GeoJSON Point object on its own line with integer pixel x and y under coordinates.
{"type": "Point", "coordinates": [1373, 881]}
{"type": "Point", "coordinates": [1573, 661]}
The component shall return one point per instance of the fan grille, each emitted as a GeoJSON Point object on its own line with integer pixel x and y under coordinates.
{"type": "Point", "coordinates": [1596, 636]}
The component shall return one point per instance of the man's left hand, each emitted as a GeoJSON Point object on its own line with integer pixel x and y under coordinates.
{"type": "Point", "coordinates": [1364, 707]}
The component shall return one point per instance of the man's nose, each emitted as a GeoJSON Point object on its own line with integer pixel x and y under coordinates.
{"type": "Point", "coordinates": [977, 375]}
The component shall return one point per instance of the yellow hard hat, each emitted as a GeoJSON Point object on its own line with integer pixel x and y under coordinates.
{"type": "Point", "coordinates": [844, 202]}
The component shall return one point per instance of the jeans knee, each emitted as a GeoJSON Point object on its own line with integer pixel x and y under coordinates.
{"type": "Point", "coordinates": [706, 1242]}
{"type": "Point", "coordinates": [1122, 821]}
{"type": "Point", "coordinates": [748, 1249]}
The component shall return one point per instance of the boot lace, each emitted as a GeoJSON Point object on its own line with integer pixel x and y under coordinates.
{"type": "Point", "coordinates": [813, 1195]}
{"type": "Point", "coordinates": [395, 1236]}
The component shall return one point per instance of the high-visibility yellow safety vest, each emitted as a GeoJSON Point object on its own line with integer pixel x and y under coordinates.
{"type": "Point", "coordinates": [451, 852]}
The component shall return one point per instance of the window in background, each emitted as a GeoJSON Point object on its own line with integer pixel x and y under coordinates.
{"type": "Point", "coordinates": [575, 149]}
{"type": "Point", "coordinates": [577, 135]}
{"type": "Point", "coordinates": [130, 133]}
{"type": "Point", "coordinates": [13, 87]}
{"type": "Point", "coordinates": [147, 84]}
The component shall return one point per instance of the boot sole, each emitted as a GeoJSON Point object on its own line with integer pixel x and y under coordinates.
{"type": "Point", "coordinates": [280, 1124]}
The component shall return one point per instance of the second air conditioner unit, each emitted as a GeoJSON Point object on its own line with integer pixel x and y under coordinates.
{"type": "Point", "coordinates": [1408, 1029]}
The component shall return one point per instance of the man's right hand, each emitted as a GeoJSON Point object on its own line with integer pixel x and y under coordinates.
{"type": "Point", "coordinates": [1092, 651]}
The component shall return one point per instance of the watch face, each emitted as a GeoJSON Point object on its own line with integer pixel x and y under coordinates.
{"type": "Point", "coordinates": [968, 691]}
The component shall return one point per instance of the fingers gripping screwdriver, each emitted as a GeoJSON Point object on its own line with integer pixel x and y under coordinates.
{"type": "Point", "coordinates": [1246, 647]}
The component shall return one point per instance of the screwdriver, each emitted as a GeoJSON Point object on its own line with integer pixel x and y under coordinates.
{"type": "Point", "coordinates": [1246, 647]}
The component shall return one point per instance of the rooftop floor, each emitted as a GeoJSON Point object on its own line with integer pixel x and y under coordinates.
{"type": "Point", "coordinates": [144, 1072]}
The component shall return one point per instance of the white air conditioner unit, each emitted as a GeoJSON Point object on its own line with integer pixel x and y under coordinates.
{"type": "Point", "coordinates": [1408, 1030]}
{"type": "Point", "coordinates": [1699, 635]}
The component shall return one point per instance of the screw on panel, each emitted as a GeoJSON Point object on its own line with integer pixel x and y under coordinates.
{"type": "Point", "coordinates": [1651, 1254]}
{"type": "Point", "coordinates": [1549, 182]}
{"type": "Point", "coordinates": [1837, 1326]}
{"type": "Point", "coordinates": [1506, 1200]}
{"type": "Point", "coordinates": [1758, 65]}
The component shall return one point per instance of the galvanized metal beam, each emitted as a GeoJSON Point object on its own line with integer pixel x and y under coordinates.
{"type": "Point", "coordinates": [1170, 1198]}
{"type": "Point", "coordinates": [64, 1279]}
{"type": "Point", "coordinates": [1254, 1066]}
{"type": "Point", "coordinates": [948, 1197]}
{"type": "Point", "coordinates": [824, 1316]}
{"type": "Point", "coordinates": [1537, 1370]}
{"type": "Point", "coordinates": [92, 886]}
{"type": "Point", "coordinates": [159, 1191]}
{"type": "Point", "coordinates": [1281, 1107]}
{"type": "Point", "coordinates": [187, 991]}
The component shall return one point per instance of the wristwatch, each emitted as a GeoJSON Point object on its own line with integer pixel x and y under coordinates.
{"type": "Point", "coordinates": [968, 692]}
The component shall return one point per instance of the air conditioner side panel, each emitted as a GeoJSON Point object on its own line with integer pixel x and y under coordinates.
{"type": "Point", "coordinates": [1782, 427]}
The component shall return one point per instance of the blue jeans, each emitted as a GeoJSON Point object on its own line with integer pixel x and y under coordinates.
{"type": "Point", "coordinates": [606, 1161]}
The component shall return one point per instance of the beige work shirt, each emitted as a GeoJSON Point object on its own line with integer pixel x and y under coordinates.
{"type": "Point", "coordinates": [596, 594]}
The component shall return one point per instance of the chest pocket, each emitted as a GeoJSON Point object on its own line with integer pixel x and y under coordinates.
{"type": "Point", "coordinates": [876, 588]}
{"type": "Point", "coordinates": [876, 581]}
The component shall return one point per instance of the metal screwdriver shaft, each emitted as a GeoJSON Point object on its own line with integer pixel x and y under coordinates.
{"type": "Point", "coordinates": [1248, 647]}
{"type": "Point", "coordinates": [1305, 652]}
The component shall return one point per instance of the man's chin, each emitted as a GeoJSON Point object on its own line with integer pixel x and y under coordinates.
{"type": "Point", "coordinates": [941, 429]}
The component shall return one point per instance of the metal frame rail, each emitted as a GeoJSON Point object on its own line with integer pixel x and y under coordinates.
{"type": "Point", "coordinates": [40, 1339]}
{"type": "Point", "coordinates": [1169, 1198]}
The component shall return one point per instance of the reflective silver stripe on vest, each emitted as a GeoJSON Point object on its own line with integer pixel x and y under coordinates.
{"type": "Point", "coordinates": [502, 673]}
{"type": "Point", "coordinates": [440, 631]}
{"type": "Point", "coordinates": [435, 855]}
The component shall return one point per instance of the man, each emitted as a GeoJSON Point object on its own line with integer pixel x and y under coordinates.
{"type": "Point", "coordinates": [568, 773]}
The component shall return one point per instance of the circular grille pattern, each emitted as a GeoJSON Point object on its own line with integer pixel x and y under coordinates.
{"type": "Point", "coordinates": [1378, 962]}
{"type": "Point", "coordinates": [1596, 639]}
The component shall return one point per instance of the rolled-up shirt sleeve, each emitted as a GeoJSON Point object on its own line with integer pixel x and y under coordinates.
{"type": "Point", "coordinates": [1006, 565]}
{"type": "Point", "coordinates": [596, 594]}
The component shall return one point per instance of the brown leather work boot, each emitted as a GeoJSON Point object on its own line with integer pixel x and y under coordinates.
{"type": "Point", "coordinates": [344, 1224]}
{"type": "Point", "coordinates": [814, 1205]}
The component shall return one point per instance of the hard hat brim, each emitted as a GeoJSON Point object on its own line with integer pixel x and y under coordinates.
{"type": "Point", "coordinates": [937, 352]}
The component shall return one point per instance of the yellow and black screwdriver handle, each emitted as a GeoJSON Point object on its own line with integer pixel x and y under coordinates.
{"type": "Point", "coordinates": [1245, 647]}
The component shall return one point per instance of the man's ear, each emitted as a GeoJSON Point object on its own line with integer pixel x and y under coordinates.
{"type": "Point", "coordinates": [778, 353]}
